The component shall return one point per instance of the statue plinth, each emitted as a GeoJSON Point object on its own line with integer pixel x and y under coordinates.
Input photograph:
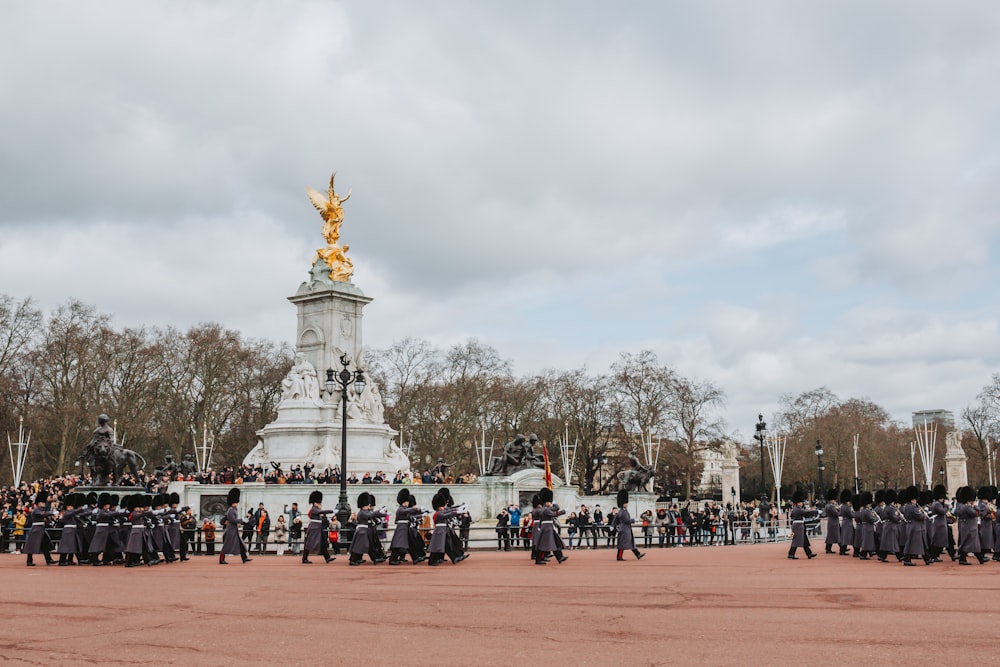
{"type": "Point", "coordinates": [955, 462]}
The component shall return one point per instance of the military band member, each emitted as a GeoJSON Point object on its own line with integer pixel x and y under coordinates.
{"type": "Point", "coordinates": [968, 526]}
{"type": "Point", "coordinates": [916, 532]}
{"type": "Point", "coordinates": [453, 544]}
{"type": "Point", "coordinates": [623, 524]}
{"type": "Point", "coordinates": [38, 541]}
{"type": "Point", "coordinates": [316, 533]}
{"type": "Point", "coordinates": [938, 537]}
{"type": "Point", "coordinates": [798, 517]}
{"type": "Point", "coordinates": [439, 539]}
{"type": "Point", "coordinates": [987, 516]}
{"type": "Point", "coordinates": [832, 513]}
{"type": "Point", "coordinates": [99, 543]}
{"type": "Point", "coordinates": [846, 521]}
{"type": "Point", "coordinates": [400, 544]}
{"type": "Point", "coordinates": [137, 547]}
{"type": "Point", "coordinates": [67, 523]}
{"type": "Point", "coordinates": [172, 526]}
{"type": "Point", "coordinates": [866, 522]}
{"type": "Point", "coordinates": [545, 537]}
{"type": "Point", "coordinates": [232, 543]}
{"type": "Point", "coordinates": [363, 534]}
{"type": "Point", "coordinates": [889, 542]}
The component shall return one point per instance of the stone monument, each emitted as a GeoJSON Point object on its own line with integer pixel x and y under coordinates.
{"type": "Point", "coordinates": [955, 462]}
{"type": "Point", "coordinates": [307, 429]}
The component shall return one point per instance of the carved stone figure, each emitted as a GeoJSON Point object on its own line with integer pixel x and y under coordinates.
{"type": "Point", "coordinates": [517, 455]}
{"type": "Point", "coordinates": [187, 465]}
{"type": "Point", "coordinates": [301, 383]}
{"type": "Point", "coordinates": [370, 402]}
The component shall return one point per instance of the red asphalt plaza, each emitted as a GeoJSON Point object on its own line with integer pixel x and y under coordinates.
{"type": "Point", "coordinates": [746, 605]}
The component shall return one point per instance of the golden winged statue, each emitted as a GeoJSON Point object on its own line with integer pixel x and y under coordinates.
{"type": "Point", "coordinates": [330, 209]}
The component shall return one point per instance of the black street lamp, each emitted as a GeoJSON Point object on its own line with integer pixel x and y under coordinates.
{"type": "Point", "coordinates": [760, 436]}
{"type": "Point", "coordinates": [599, 463]}
{"type": "Point", "coordinates": [344, 380]}
{"type": "Point", "coordinates": [819, 459]}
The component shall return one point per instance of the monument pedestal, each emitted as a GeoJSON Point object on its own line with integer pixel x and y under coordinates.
{"type": "Point", "coordinates": [308, 427]}
{"type": "Point", "coordinates": [955, 463]}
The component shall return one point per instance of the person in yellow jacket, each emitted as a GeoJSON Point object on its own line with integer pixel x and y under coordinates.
{"type": "Point", "coordinates": [20, 520]}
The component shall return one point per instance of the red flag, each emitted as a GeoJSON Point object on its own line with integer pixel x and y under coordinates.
{"type": "Point", "coordinates": [548, 470]}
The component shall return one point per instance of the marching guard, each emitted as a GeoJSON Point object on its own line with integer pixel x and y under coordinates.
{"type": "Point", "coordinates": [232, 543]}
{"type": "Point", "coordinates": [623, 523]}
{"type": "Point", "coordinates": [38, 541]}
{"type": "Point", "coordinates": [968, 526]}
{"type": "Point", "coordinates": [316, 533]}
{"type": "Point", "coordinates": [799, 515]}
{"type": "Point", "coordinates": [916, 533]}
{"type": "Point", "coordinates": [401, 543]}
{"type": "Point", "coordinates": [832, 513]}
{"type": "Point", "coordinates": [544, 536]}
{"type": "Point", "coordinates": [846, 522]}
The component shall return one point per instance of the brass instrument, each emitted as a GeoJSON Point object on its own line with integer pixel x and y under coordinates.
{"type": "Point", "coordinates": [992, 511]}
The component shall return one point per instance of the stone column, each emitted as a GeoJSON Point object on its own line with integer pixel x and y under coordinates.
{"type": "Point", "coordinates": [955, 463]}
{"type": "Point", "coordinates": [730, 477]}
{"type": "Point", "coordinates": [329, 319]}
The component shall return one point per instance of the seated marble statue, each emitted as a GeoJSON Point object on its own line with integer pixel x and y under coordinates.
{"type": "Point", "coordinates": [301, 382]}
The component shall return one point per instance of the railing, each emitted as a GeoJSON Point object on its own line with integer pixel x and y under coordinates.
{"type": "Point", "coordinates": [486, 537]}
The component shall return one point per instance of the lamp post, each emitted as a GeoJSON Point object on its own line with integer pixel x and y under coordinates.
{"type": "Point", "coordinates": [599, 462]}
{"type": "Point", "coordinates": [760, 436]}
{"type": "Point", "coordinates": [857, 480]}
{"type": "Point", "coordinates": [821, 467]}
{"type": "Point", "coordinates": [941, 475]}
{"type": "Point", "coordinates": [344, 380]}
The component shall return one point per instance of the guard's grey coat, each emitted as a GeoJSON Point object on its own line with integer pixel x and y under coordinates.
{"type": "Point", "coordinates": [441, 529]}
{"type": "Point", "coordinates": [968, 529]}
{"type": "Point", "coordinates": [623, 523]}
{"type": "Point", "coordinates": [846, 525]}
{"type": "Point", "coordinates": [939, 525]}
{"type": "Point", "coordinates": [232, 543]}
{"type": "Point", "coordinates": [890, 531]}
{"type": "Point", "coordinates": [832, 514]}
{"type": "Point", "coordinates": [315, 532]}
{"type": "Point", "coordinates": [798, 517]}
{"type": "Point", "coordinates": [544, 532]}
{"type": "Point", "coordinates": [917, 529]}
{"type": "Point", "coordinates": [985, 527]}
{"type": "Point", "coordinates": [866, 519]}
{"type": "Point", "coordinates": [400, 536]}
{"type": "Point", "coordinates": [38, 541]}
{"type": "Point", "coordinates": [363, 536]}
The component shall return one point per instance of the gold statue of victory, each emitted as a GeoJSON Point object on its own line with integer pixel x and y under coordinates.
{"type": "Point", "coordinates": [330, 209]}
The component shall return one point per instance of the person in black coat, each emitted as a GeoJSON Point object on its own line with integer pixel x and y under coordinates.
{"type": "Point", "coordinates": [37, 541]}
{"type": "Point", "coordinates": [503, 530]}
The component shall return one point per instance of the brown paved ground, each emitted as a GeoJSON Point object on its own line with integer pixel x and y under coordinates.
{"type": "Point", "coordinates": [738, 605]}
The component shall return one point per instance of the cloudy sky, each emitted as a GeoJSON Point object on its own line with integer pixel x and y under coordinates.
{"type": "Point", "coordinates": [771, 196]}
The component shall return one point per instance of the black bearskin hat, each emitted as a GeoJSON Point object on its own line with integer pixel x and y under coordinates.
{"type": "Point", "coordinates": [880, 496]}
{"type": "Point", "coordinates": [403, 496]}
{"type": "Point", "coordinates": [535, 502]}
{"type": "Point", "coordinates": [157, 500]}
{"type": "Point", "coordinates": [70, 500]}
{"type": "Point", "coordinates": [940, 493]}
{"type": "Point", "coordinates": [984, 493]}
{"type": "Point", "coordinates": [175, 498]}
{"type": "Point", "coordinates": [445, 493]}
{"type": "Point", "coordinates": [129, 502]}
{"type": "Point", "coordinates": [911, 493]}
{"type": "Point", "coordinates": [965, 494]}
{"type": "Point", "coordinates": [831, 494]}
{"type": "Point", "coordinates": [545, 495]}
{"type": "Point", "coordinates": [42, 497]}
{"type": "Point", "coordinates": [92, 498]}
{"type": "Point", "coordinates": [233, 496]}
{"type": "Point", "coordinates": [115, 500]}
{"type": "Point", "coordinates": [798, 496]}
{"type": "Point", "coordinates": [864, 499]}
{"type": "Point", "coordinates": [104, 499]}
{"type": "Point", "coordinates": [622, 498]}
{"type": "Point", "coordinates": [890, 496]}
{"type": "Point", "coordinates": [925, 497]}
{"type": "Point", "coordinates": [845, 496]}
{"type": "Point", "coordinates": [437, 502]}
{"type": "Point", "coordinates": [316, 497]}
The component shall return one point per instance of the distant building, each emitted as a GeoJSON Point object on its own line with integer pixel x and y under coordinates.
{"type": "Point", "coordinates": [944, 417]}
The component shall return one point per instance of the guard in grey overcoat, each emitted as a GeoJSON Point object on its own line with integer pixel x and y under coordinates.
{"type": "Point", "coordinates": [67, 546]}
{"type": "Point", "coordinates": [968, 517]}
{"type": "Point", "coordinates": [846, 521]}
{"type": "Point", "coordinates": [361, 543]}
{"type": "Point", "coordinates": [866, 522]}
{"type": "Point", "coordinates": [832, 513]}
{"type": "Point", "coordinates": [172, 527]}
{"type": "Point", "coordinates": [232, 543]}
{"type": "Point", "coordinates": [889, 542]}
{"type": "Point", "coordinates": [317, 539]}
{"type": "Point", "coordinates": [400, 544]}
{"type": "Point", "coordinates": [938, 537]}
{"type": "Point", "coordinates": [987, 512]}
{"type": "Point", "coordinates": [38, 541]}
{"type": "Point", "coordinates": [440, 536]}
{"type": "Point", "coordinates": [799, 514]}
{"type": "Point", "coordinates": [623, 524]}
{"type": "Point", "coordinates": [917, 532]}
{"type": "Point", "coordinates": [103, 518]}
{"type": "Point", "coordinates": [544, 535]}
